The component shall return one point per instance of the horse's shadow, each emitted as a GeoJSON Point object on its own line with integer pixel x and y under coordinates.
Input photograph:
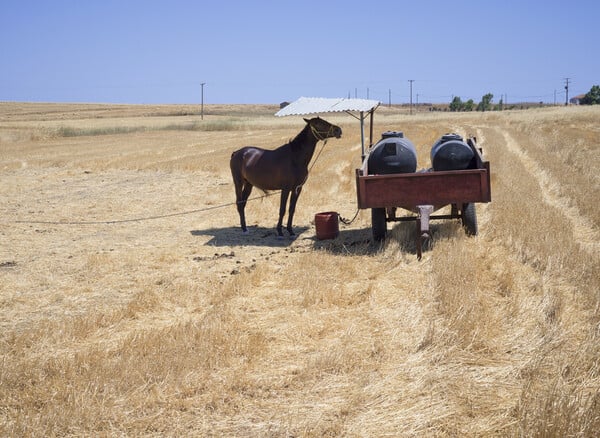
{"type": "Point", "coordinates": [348, 242]}
{"type": "Point", "coordinates": [256, 236]}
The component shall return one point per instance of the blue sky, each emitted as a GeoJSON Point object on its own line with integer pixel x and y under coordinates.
{"type": "Point", "coordinates": [255, 51]}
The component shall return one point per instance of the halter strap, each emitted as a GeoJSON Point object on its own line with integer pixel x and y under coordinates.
{"type": "Point", "coordinates": [321, 135]}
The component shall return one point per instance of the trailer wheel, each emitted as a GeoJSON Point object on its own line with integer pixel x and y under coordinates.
{"type": "Point", "coordinates": [378, 223]}
{"type": "Point", "coordinates": [469, 219]}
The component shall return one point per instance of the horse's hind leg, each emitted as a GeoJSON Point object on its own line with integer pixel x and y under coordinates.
{"type": "Point", "coordinates": [293, 201]}
{"type": "Point", "coordinates": [242, 187]}
{"type": "Point", "coordinates": [242, 194]}
{"type": "Point", "coordinates": [284, 197]}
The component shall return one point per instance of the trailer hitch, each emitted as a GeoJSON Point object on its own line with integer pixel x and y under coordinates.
{"type": "Point", "coordinates": [423, 216]}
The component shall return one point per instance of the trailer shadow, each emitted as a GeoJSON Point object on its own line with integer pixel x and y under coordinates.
{"type": "Point", "coordinates": [256, 236]}
{"type": "Point", "coordinates": [349, 242]}
{"type": "Point", "coordinates": [403, 234]}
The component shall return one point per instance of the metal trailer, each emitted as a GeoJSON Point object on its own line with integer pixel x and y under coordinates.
{"type": "Point", "coordinates": [423, 193]}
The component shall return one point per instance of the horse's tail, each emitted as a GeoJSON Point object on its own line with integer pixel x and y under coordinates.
{"type": "Point", "coordinates": [235, 162]}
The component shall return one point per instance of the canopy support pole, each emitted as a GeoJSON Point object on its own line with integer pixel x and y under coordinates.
{"type": "Point", "coordinates": [362, 134]}
{"type": "Point", "coordinates": [362, 130]}
{"type": "Point", "coordinates": [371, 128]}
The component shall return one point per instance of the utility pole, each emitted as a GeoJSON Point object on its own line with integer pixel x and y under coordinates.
{"type": "Point", "coordinates": [202, 101]}
{"type": "Point", "coordinates": [567, 91]}
{"type": "Point", "coordinates": [390, 98]}
{"type": "Point", "coordinates": [411, 81]}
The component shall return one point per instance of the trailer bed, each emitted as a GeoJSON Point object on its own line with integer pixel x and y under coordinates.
{"type": "Point", "coordinates": [407, 190]}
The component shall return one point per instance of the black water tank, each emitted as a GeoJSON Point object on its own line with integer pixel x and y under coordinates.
{"type": "Point", "coordinates": [392, 154]}
{"type": "Point", "coordinates": [450, 152]}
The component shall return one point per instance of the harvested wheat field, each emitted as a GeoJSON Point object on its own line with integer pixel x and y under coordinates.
{"type": "Point", "coordinates": [133, 305]}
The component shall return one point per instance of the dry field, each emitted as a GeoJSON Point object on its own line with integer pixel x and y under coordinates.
{"type": "Point", "coordinates": [132, 305]}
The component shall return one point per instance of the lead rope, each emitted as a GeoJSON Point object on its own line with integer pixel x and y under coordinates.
{"type": "Point", "coordinates": [318, 136]}
{"type": "Point", "coordinates": [349, 222]}
{"type": "Point", "coordinates": [299, 186]}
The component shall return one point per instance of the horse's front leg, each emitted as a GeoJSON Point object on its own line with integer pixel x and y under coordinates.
{"type": "Point", "coordinates": [284, 197]}
{"type": "Point", "coordinates": [293, 200]}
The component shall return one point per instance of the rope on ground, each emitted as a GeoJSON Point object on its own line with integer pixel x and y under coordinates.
{"type": "Point", "coordinates": [349, 222]}
{"type": "Point", "coordinates": [139, 219]}
{"type": "Point", "coordinates": [162, 216]}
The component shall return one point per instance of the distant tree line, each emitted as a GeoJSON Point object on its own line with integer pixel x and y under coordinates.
{"type": "Point", "coordinates": [592, 97]}
{"type": "Point", "coordinates": [484, 105]}
{"type": "Point", "coordinates": [458, 105]}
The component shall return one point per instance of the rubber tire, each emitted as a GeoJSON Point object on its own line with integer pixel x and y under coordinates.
{"type": "Point", "coordinates": [378, 223]}
{"type": "Point", "coordinates": [469, 219]}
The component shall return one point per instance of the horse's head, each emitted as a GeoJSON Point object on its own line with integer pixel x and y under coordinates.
{"type": "Point", "coordinates": [322, 129]}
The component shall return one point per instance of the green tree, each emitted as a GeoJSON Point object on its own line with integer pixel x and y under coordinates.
{"type": "Point", "coordinates": [456, 104]}
{"type": "Point", "coordinates": [592, 97]}
{"type": "Point", "coordinates": [486, 102]}
{"type": "Point", "coordinates": [469, 105]}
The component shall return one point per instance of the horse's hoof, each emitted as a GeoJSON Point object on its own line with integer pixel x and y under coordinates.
{"type": "Point", "coordinates": [280, 237]}
{"type": "Point", "coordinates": [245, 232]}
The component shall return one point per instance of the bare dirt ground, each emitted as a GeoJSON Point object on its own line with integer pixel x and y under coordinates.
{"type": "Point", "coordinates": [133, 305]}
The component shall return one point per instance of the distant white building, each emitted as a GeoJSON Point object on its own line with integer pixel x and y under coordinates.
{"type": "Point", "coordinates": [575, 100]}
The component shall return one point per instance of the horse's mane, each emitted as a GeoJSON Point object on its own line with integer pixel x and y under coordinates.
{"type": "Point", "coordinates": [300, 137]}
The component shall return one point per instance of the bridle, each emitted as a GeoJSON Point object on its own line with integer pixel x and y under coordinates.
{"type": "Point", "coordinates": [322, 135]}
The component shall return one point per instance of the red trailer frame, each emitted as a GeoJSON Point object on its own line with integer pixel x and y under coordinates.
{"type": "Point", "coordinates": [423, 193]}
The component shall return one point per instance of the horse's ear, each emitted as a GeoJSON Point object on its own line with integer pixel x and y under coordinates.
{"type": "Point", "coordinates": [306, 120]}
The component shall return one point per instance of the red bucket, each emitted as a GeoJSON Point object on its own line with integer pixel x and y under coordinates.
{"type": "Point", "coordinates": [327, 225]}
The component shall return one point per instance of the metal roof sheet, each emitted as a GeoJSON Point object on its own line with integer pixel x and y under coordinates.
{"type": "Point", "coordinates": [310, 105]}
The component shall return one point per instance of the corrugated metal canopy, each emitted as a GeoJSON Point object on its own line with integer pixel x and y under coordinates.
{"type": "Point", "coordinates": [311, 105]}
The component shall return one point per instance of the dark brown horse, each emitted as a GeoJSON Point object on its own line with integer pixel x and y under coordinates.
{"type": "Point", "coordinates": [285, 169]}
